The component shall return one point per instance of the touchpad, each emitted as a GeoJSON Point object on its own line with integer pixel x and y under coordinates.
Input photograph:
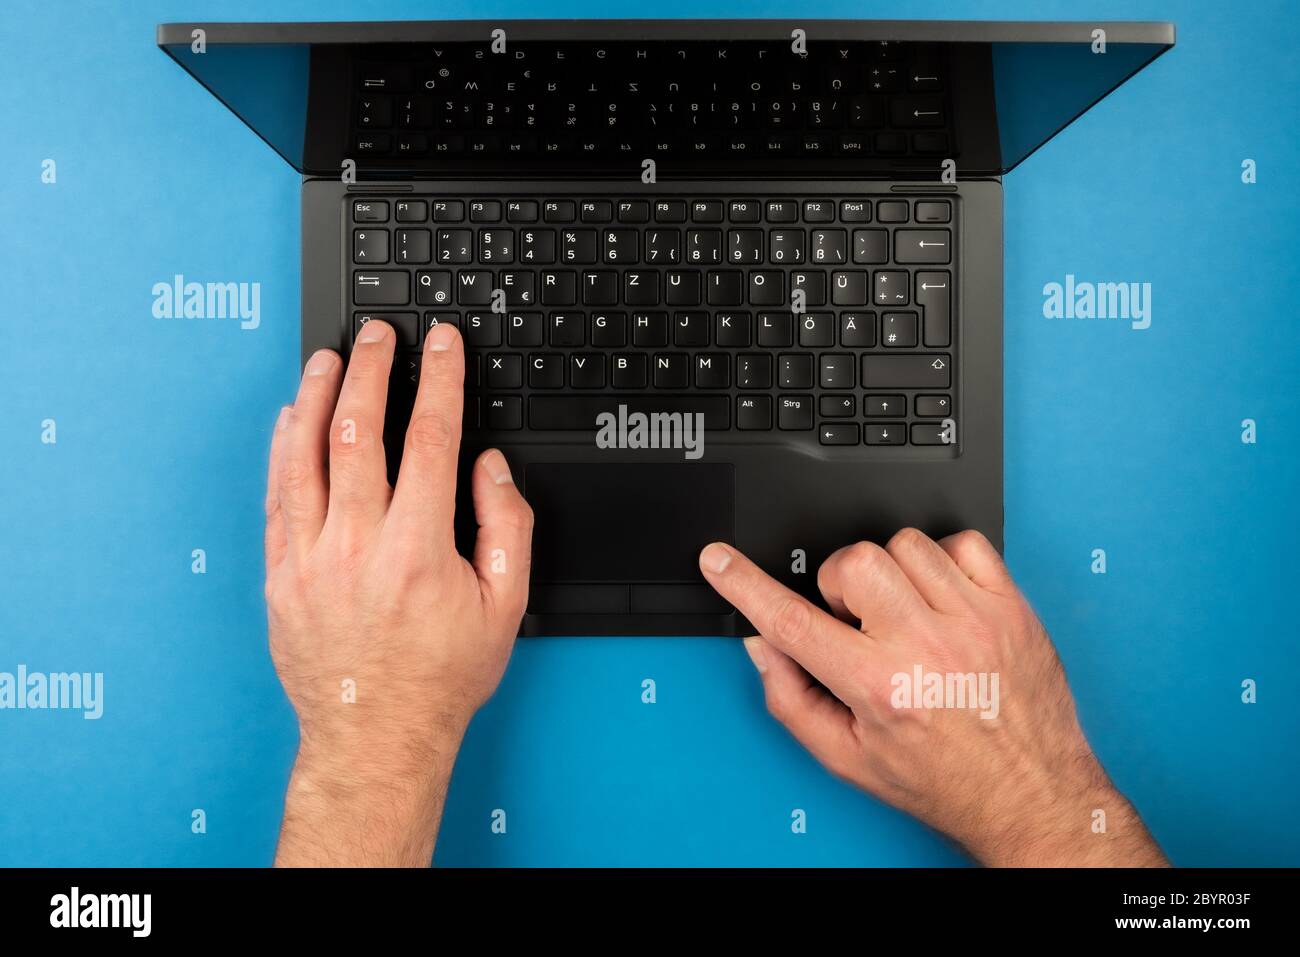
{"type": "Point", "coordinates": [627, 523]}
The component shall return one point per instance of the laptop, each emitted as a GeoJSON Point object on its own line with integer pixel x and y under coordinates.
{"type": "Point", "coordinates": [717, 280]}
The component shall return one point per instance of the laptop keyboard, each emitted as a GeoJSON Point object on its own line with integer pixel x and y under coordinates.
{"type": "Point", "coordinates": [818, 319]}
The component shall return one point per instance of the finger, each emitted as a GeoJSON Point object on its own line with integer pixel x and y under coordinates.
{"type": "Point", "coordinates": [303, 483]}
{"type": "Point", "coordinates": [358, 470]}
{"type": "Point", "coordinates": [833, 652]}
{"type": "Point", "coordinates": [504, 549]}
{"type": "Point", "coordinates": [931, 570]}
{"type": "Point", "coordinates": [425, 497]}
{"type": "Point", "coordinates": [818, 720]}
{"type": "Point", "coordinates": [276, 540]}
{"type": "Point", "coordinates": [868, 582]}
{"type": "Point", "coordinates": [979, 560]}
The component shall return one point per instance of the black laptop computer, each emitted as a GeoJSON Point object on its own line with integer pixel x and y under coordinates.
{"type": "Point", "coordinates": [717, 280]}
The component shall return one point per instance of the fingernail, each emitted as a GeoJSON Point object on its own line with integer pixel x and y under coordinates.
{"type": "Point", "coordinates": [321, 363]}
{"type": "Point", "coordinates": [496, 465]}
{"type": "Point", "coordinates": [756, 653]}
{"type": "Point", "coordinates": [440, 337]}
{"type": "Point", "coordinates": [282, 420]}
{"type": "Point", "coordinates": [716, 557]}
{"type": "Point", "coordinates": [373, 331]}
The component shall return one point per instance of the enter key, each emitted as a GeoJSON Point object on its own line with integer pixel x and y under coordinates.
{"type": "Point", "coordinates": [933, 295]}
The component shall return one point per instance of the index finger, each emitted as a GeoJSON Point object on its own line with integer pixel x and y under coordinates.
{"type": "Point", "coordinates": [834, 653]}
{"type": "Point", "coordinates": [426, 482]}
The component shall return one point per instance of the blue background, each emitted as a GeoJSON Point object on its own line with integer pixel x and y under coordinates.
{"type": "Point", "coordinates": [1116, 439]}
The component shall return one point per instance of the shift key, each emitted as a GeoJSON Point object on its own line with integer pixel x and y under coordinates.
{"type": "Point", "coordinates": [381, 287]}
{"type": "Point", "coordinates": [906, 372]}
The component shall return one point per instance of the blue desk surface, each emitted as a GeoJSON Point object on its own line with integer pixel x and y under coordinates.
{"type": "Point", "coordinates": [1117, 439]}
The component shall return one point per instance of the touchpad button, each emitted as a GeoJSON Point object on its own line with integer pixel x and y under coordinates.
{"type": "Point", "coordinates": [627, 523]}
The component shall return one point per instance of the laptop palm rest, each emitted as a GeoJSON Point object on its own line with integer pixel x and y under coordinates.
{"type": "Point", "coordinates": [625, 538]}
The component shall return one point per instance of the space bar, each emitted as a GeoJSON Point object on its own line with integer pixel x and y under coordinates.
{"type": "Point", "coordinates": [577, 413]}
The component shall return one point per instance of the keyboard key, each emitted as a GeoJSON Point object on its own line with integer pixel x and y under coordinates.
{"type": "Point", "coordinates": [578, 246]}
{"type": "Point", "coordinates": [890, 287]}
{"type": "Point", "coordinates": [891, 211]}
{"type": "Point", "coordinates": [725, 288]}
{"type": "Point", "coordinates": [898, 330]}
{"type": "Point", "coordinates": [559, 288]}
{"type": "Point", "coordinates": [670, 211]}
{"type": "Point", "coordinates": [933, 433]}
{"type": "Point", "coordinates": [745, 246]}
{"type": "Point", "coordinates": [924, 246]}
{"type": "Point", "coordinates": [628, 370]}
{"type": "Point", "coordinates": [775, 329]}
{"type": "Point", "coordinates": [411, 211]}
{"type": "Point", "coordinates": [857, 330]}
{"type": "Point", "coordinates": [745, 211]}
{"type": "Point", "coordinates": [485, 211]}
{"type": "Point", "coordinates": [455, 246]}
{"type": "Point", "coordinates": [855, 211]}
{"type": "Point", "coordinates": [609, 329]}
{"type": "Point", "coordinates": [634, 211]}
{"type": "Point", "coordinates": [649, 329]}
{"type": "Point", "coordinates": [566, 329]}
{"type": "Point", "coordinates": [683, 288]}
{"type": "Point", "coordinates": [370, 246]}
{"type": "Point", "coordinates": [448, 211]}
{"type": "Point", "coordinates": [849, 288]}
{"type": "Point", "coordinates": [754, 413]}
{"type": "Point", "coordinates": [795, 371]}
{"type": "Point", "coordinates": [577, 413]}
{"type": "Point", "coordinates": [871, 246]}
{"type": "Point", "coordinates": [884, 406]}
{"type": "Point", "coordinates": [816, 330]}
{"type": "Point", "coordinates": [524, 329]}
{"type": "Point", "coordinates": [786, 246]}
{"type": "Point", "coordinates": [483, 329]}
{"type": "Point", "coordinates": [933, 212]}
{"type": "Point", "coordinates": [731, 329]}
{"type": "Point", "coordinates": [933, 406]}
{"type": "Point", "coordinates": [641, 287]}
{"type": "Point", "coordinates": [521, 211]}
{"type": "Point", "coordinates": [505, 413]}
{"type": "Point", "coordinates": [379, 287]}
{"type": "Point", "coordinates": [889, 433]}
{"type": "Point", "coordinates": [766, 288]}
{"type": "Point", "coordinates": [600, 288]}
{"type": "Point", "coordinates": [754, 371]}
{"type": "Point", "coordinates": [783, 211]}
{"type": "Point", "coordinates": [504, 371]}
{"type": "Point", "coordinates": [596, 211]}
{"type": "Point", "coordinates": [414, 246]}
{"type": "Point", "coordinates": [474, 287]}
{"type": "Point", "coordinates": [933, 296]}
{"type": "Point", "coordinates": [838, 433]}
{"type": "Point", "coordinates": [587, 370]}
{"type": "Point", "coordinates": [794, 412]}
{"type": "Point", "coordinates": [620, 246]}
{"type": "Point", "coordinates": [369, 211]}
{"type": "Point", "coordinates": [837, 406]}
{"type": "Point", "coordinates": [813, 285]}
{"type": "Point", "coordinates": [545, 371]}
{"type": "Point", "coordinates": [836, 371]}
{"type": "Point", "coordinates": [672, 370]}
{"type": "Point", "coordinates": [819, 211]}
{"type": "Point", "coordinates": [433, 287]}
{"type": "Point", "coordinates": [712, 370]}
{"type": "Point", "coordinates": [706, 211]}
{"type": "Point", "coordinates": [906, 372]}
{"type": "Point", "coordinates": [405, 324]}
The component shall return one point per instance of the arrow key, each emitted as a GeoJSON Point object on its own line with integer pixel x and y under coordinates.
{"type": "Point", "coordinates": [924, 246]}
{"type": "Point", "coordinates": [889, 433]}
{"type": "Point", "coordinates": [838, 433]}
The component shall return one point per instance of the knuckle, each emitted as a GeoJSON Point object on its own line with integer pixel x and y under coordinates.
{"type": "Point", "coordinates": [907, 540]}
{"type": "Point", "coordinates": [791, 621]}
{"type": "Point", "coordinates": [865, 558]}
{"type": "Point", "coordinates": [350, 435]}
{"type": "Point", "coordinates": [430, 432]}
{"type": "Point", "coordinates": [295, 474]}
{"type": "Point", "coordinates": [971, 542]}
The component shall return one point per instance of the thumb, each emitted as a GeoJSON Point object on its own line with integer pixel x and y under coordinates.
{"type": "Point", "coordinates": [504, 547]}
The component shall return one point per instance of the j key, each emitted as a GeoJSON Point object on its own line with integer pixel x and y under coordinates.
{"type": "Point", "coordinates": [884, 406]}
{"type": "Point", "coordinates": [731, 329]}
{"type": "Point", "coordinates": [870, 246]}
{"type": "Point", "coordinates": [766, 288]}
{"type": "Point", "coordinates": [775, 329]}
{"type": "Point", "coordinates": [754, 413]}
{"type": "Point", "coordinates": [578, 413]}
{"type": "Point", "coordinates": [906, 372]}
{"type": "Point", "coordinates": [887, 433]}
{"type": "Point", "coordinates": [838, 433]}
{"type": "Point", "coordinates": [505, 413]}
{"type": "Point", "coordinates": [587, 371]}
{"type": "Point", "coordinates": [898, 330]}
{"type": "Point", "coordinates": [933, 405]}
{"type": "Point", "coordinates": [933, 433]}
{"type": "Point", "coordinates": [505, 371]}
{"type": "Point", "coordinates": [795, 372]}
{"type": "Point", "coordinates": [794, 412]}
{"type": "Point", "coordinates": [836, 406]}
{"type": "Point", "coordinates": [566, 328]}
{"type": "Point", "coordinates": [857, 330]}
{"type": "Point", "coordinates": [712, 370]}
{"type": "Point", "coordinates": [370, 211]}
{"type": "Point", "coordinates": [405, 325]}
{"type": "Point", "coordinates": [691, 329]}
{"type": "Point", "coordinates": [933, 296]}
{"type": "Point", "coordinates": [369, 246]}
{"type": "Point", "coordinates": [924, 246]}
{"type": "Point", "coordinates": [836, 371]}
{"type": "Point", "coordinates": [378, 287]}
{"type": "Point", "coordinates": [754, 371]}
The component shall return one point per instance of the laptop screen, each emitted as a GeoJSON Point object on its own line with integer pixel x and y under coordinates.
{"type": "Point", "coordinates": [679, 99]}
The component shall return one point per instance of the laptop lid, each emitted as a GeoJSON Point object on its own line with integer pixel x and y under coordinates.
{"type": "Point", "coordinates": [770, 98]}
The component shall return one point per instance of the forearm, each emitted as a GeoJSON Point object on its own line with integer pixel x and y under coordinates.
{"type": "Point", "coordinates": [375, 811]}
